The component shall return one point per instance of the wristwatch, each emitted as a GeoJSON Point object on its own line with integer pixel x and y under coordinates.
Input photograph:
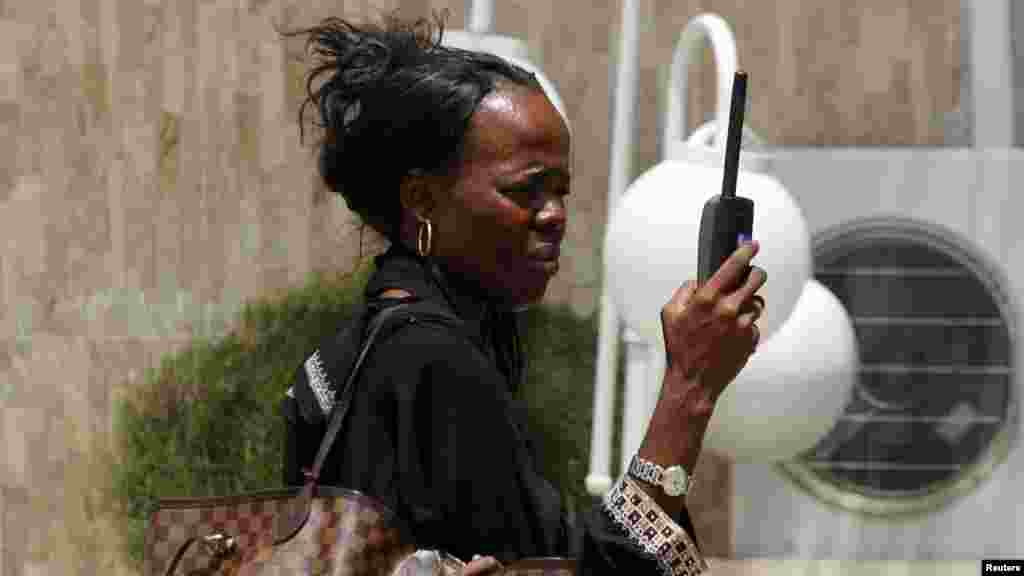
{"type": "Point", "coordinates": [674, 480]}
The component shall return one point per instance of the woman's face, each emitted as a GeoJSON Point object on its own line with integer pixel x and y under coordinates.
{"type": "Point", "coordinates": [502, 219]}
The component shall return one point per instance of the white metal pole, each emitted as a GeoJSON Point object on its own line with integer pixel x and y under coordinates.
{"type": "Point", "coordinates": [655, 376]}
{"type": "Point", "coordinates": [636, 406]}
{"type": "Point", "coordinates": [991, 107]}
{"type": "Point", "coordinates": [480, 16]}
{"type": "Point", "coordinates": [599, 480]}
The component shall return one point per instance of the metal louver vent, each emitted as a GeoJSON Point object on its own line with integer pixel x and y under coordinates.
{"type": "Point", "coordinates": [931, 412]}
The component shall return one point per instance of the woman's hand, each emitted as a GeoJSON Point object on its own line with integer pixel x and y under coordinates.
{"type": "Point", "coordinates": [710, 330]}
{"type": "Point", "coordinates": [483, 565]}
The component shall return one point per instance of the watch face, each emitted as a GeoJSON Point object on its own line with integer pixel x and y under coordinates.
{"type": "Point", "coordinates": [675, 481]}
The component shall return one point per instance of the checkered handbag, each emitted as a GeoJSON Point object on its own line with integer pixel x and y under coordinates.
{"type": "Point", "coordinates": [346, 533]}
{"type": "Point", "coordinates": [312, 530]}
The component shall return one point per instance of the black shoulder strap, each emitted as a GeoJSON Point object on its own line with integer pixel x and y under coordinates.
{"type": "Point", "coordinates": [287, 525]}
{"type": "Point", "coordinates": [410, 311]}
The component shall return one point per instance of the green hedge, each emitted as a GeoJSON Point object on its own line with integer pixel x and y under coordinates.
{"type": "Point", "coordinates": [206, 422]}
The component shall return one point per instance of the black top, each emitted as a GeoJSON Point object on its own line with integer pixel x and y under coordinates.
{"type": "Point", "coordinates": [435, 432]}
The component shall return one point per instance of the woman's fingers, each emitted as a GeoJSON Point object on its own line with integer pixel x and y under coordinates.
{"type": "Point", "coordinates": [758, 300]}
{"type": "Point", "coordinates": [675, 306]}
{"type": "Point", "coordinates": [733, 304]}
{"type": "Point", "coordinates": [482, 565]}
{"type": "Point", "coordinates": [730, 273]}
{"type": "Point", "coordinates": [701, 322]}
{"type": "Point", "coordinates": [750, 311]}
{"type": "Point", "coordinates": [747, 322]}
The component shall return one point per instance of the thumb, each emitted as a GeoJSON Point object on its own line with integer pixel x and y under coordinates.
{"type": "Point", "coordinates": [480, 565]}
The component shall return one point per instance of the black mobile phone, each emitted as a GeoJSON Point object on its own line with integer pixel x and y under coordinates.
{"type": "Point", "coordinates": [727, 219]}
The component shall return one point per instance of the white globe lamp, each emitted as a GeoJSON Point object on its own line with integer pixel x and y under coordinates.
{"type": "Point", "coordinates": [652, 243]}
{"type": "Point", "coordinates": [651, 240]}
{"type": "Point", "coordinates": [793, 389]}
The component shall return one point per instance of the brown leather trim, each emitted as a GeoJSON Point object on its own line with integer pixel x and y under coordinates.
{"type": "Point", "coordinates": [278, 494]}
{"type": "Point", "coordinates": [546, 563]}
{"type": "Point", "coordinates": [211, 501]}
{"type": "Point", "coordinates": [388, 515]}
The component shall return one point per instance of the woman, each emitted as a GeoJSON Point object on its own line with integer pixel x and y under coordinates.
{"type": "Point", "coordinates": [460, 160]}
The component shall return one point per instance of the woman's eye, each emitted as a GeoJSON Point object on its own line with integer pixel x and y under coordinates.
{"type": "Point", "coordinates": [524, 191]}
{"type": "Point", "coordinates": [532, 190]}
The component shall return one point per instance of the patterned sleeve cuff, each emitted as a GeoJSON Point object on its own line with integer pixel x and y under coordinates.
{"type": "Point", "coordinates": [651, 529]}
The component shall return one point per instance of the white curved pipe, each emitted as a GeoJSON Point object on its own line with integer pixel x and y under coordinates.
{"type": "Point", "coordinates": [599, 480]}
{"type": "Point", "coordinates": [723, 45]}
{"type": "Point", "coordinates": [480, 16]}
{"type": "Point", "coordinates": [636, 404]}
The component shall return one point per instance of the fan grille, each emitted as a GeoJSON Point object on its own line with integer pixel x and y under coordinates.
{"type": "Point", "coordinates": [934, 392]}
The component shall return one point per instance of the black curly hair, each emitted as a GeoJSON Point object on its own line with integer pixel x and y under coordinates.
{"type": "Point", "coordinates": [394, 101]}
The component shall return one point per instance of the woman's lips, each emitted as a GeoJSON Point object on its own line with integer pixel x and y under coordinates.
{"type": "Point", "coordinates": [545, 252]}
{"type": "Point", "coordinates": [548, 267]}
{"type": "Point", "coordinates": [544, 259]}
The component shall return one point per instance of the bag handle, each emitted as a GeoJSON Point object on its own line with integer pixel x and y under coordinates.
{"type": "Point", "coordinates": [288, 525]}
{"type": "Point", "coordinates": [340, 409]}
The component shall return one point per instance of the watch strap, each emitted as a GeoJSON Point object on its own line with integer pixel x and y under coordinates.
{"type": "Point", "coordinates": [645, 470]}
{"type": "Point", "coordinates": [652, 473]}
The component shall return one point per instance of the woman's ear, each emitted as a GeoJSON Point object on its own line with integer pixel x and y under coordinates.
{"type": "Point", "coordinates": [417, 194]}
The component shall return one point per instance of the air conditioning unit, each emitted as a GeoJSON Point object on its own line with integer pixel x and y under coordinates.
{"type": "Point", "coordinates": [924, 248]}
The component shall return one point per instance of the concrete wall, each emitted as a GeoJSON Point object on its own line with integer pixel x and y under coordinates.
{"type": "Point", "coordinates": [151, 180]}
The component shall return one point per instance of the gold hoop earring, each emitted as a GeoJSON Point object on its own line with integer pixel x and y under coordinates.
{"type": "Point", "coordinates": [424, 225]}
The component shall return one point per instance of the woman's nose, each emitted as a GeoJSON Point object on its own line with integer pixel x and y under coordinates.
{"type": "Point", "coordinates": [553, 217]}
